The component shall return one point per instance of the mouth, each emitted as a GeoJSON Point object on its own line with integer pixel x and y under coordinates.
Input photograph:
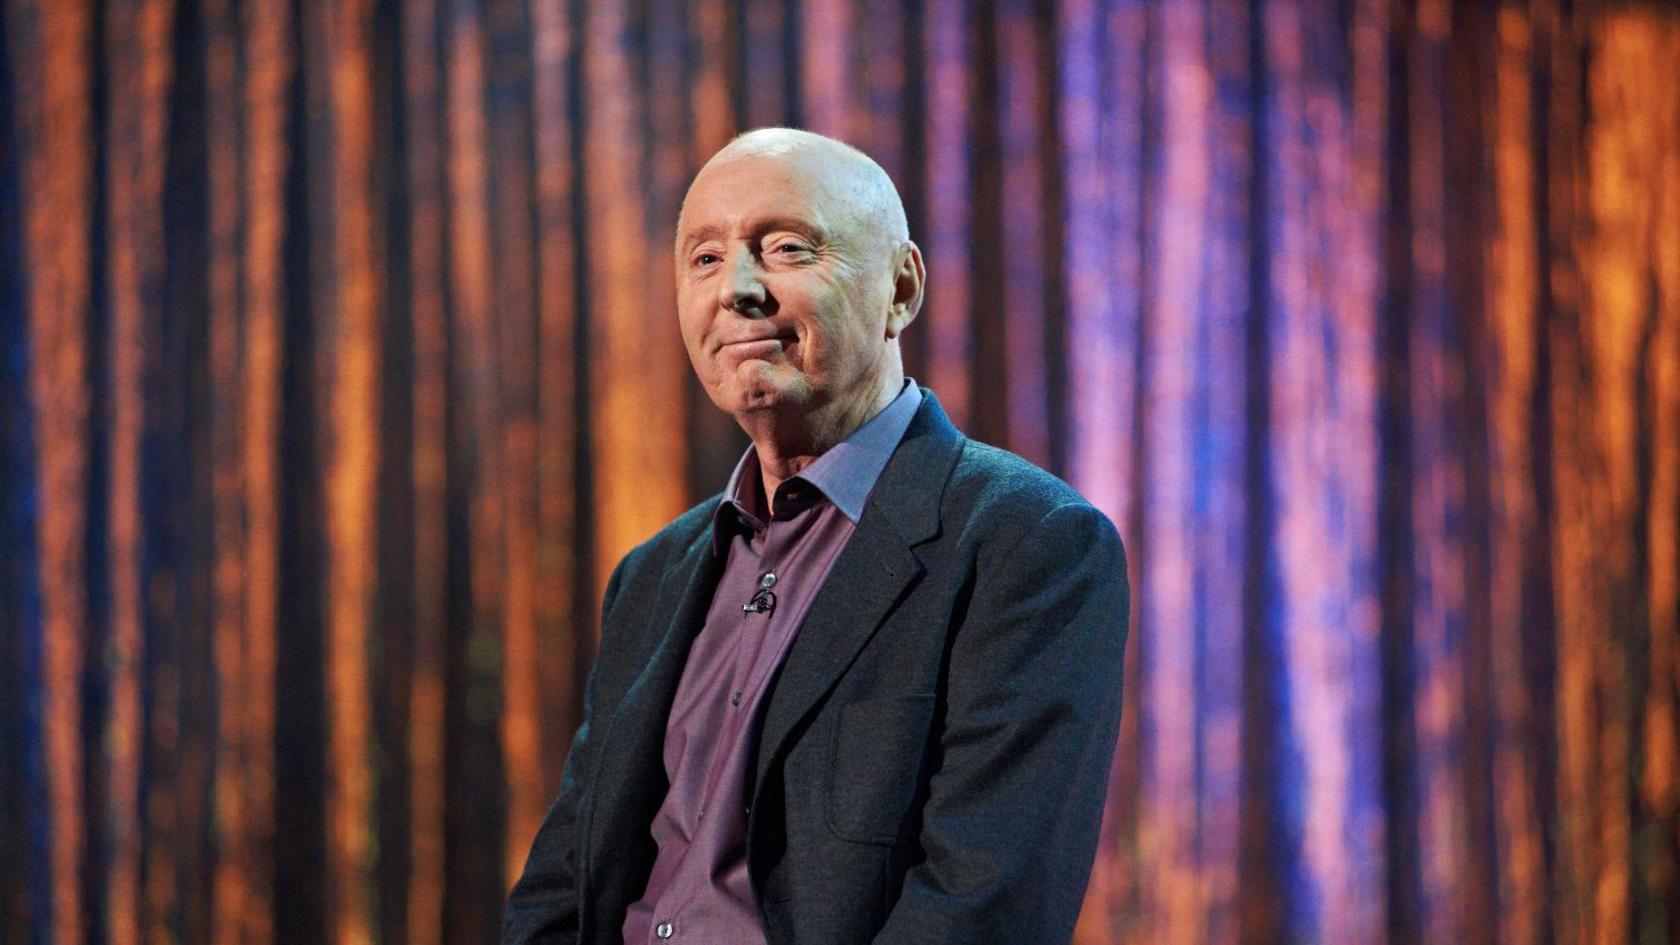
{"type": "Point", "coordinates": [760, 348]}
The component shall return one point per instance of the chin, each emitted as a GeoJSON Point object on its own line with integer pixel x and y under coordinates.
{"type": "Point", "coordinates": [769, 388]}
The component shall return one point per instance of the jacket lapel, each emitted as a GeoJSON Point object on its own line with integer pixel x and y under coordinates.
{"type": "Point", "coordinates": [630, 780]}
{"type": "Point", "coordinates": [871, 574]}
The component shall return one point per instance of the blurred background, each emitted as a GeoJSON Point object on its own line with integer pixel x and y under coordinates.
{"type": "Point", "coordinates": [340, 365]}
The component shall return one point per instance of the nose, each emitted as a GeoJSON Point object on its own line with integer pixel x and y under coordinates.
{"type": "Point", "coordinates": [742, 287]}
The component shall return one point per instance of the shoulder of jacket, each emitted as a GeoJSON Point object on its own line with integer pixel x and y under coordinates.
{"type": "Point", "coordinates": [993, 483]}
{"type": "Point", "coordinates": [668, 542]}
{"type": "Point", "coordinates": [998, 501]}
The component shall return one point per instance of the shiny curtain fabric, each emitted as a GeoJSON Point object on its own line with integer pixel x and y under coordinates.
{"type": "Point", "coordinates": [338, 365]}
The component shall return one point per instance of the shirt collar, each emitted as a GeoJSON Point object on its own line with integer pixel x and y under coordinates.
{"type": "Point", "coordinates": [845, 474]}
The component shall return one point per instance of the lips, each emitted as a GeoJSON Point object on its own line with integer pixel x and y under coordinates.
{"type": "Point", "coordinates": [760, 347]}
{"type": "Point", "coordinates": [783, 337]}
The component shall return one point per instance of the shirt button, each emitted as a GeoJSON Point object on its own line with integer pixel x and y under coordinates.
{"type": "Point", "coordinates": [768, 580]}
{"type": "Point", "coordinates": [663, 930]}
{"type": "Point", "coordinates": [736, 698]}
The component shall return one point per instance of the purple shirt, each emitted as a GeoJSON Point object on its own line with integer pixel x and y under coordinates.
{"type": "Point", "coordinates": [699, 891]}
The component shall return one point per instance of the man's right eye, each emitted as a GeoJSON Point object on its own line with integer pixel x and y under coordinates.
{"type": "Point", "coordinates": [706, 259]}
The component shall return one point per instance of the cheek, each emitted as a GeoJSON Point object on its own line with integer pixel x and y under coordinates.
{"type": "Point", "coordinates": [831, 329]}
{"type": "Point", "coordinates": [692, 323]}
{"type": "Point", "coordinates": [850, 332]}
{"type": "Point", "coordinates": [693, 330]}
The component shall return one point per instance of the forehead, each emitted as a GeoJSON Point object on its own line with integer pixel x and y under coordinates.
{"type": "Point", "coordinates": [746, 191]}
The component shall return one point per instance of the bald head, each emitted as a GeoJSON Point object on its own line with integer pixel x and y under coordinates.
{"type": "Point", "coordinates": [849, 182]}
{"type": "Point", "coordinates": [795, 276]}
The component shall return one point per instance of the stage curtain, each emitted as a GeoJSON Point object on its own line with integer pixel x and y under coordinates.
{"type": "Point", "coordinates": [338, 367]}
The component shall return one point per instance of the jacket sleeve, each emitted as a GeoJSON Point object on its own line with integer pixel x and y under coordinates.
{"type": "Point", "coordinates": [1009, 828]}
{"type": "Point", "coordinates": [543, 906]}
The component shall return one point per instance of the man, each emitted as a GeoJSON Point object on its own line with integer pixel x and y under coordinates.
{"type": "Point", "coordinates": [871, 692]}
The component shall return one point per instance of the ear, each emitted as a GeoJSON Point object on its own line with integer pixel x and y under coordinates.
{"type": "Point", "coordinates": [909, 279]}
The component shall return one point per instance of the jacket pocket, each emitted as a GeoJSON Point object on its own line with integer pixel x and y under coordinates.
{"type": "Point", "coordinates": [875, 764]}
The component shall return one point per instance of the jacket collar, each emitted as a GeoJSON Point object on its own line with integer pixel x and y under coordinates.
{"type": "Point", "coordinates": [906, 497]}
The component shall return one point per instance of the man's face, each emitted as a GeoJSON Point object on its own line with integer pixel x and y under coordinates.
{"type": "Point", "coordinates": [782, 294]}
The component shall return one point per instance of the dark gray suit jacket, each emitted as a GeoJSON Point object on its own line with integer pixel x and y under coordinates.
{"type": "Point", "coordinates": [935, 751]}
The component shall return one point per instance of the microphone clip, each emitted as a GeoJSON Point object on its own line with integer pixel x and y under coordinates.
{"type": "Point", "coordinates": [762, 602]}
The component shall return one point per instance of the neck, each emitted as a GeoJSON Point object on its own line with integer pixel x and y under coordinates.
{"type": "Point", "coordinates": [786, 445]}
